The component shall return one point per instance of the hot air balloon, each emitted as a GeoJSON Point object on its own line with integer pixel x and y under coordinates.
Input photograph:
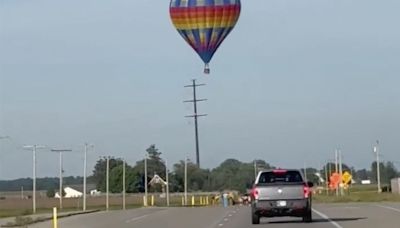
{"type": "Point", "coordinates": [205, 24]}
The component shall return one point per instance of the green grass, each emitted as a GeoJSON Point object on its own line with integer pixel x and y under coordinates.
{"type": "Point", "coordinates": [358, 193]}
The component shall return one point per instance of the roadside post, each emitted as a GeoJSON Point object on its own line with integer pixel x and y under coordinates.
{"type": "Point", "coordinates": [55, 223]}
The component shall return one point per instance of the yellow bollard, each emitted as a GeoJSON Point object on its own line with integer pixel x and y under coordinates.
{"type": "Point", "coordinates": [201, 201]}
{"type": "Point", "coordinates": [207, 203]}
{"type": "Point", "coordinates": [183, 201]}
{"type": "Point", "coordinates": [152, 200]}
{"type": "Point", "coordinates": [55, 223]}
{"type": "Point", "coordinates": [193, 203]}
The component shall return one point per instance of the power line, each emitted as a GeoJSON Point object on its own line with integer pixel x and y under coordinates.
{"type": "Point", "coordinates": [195, 116]}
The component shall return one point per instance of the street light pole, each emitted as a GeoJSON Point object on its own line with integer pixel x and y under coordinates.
{"type": "Point", "coordinates": [61, 172]}
{"type": "Point", "coordinates": [167, 180]}
{"type": "Point", "coordinates": [326, 178]}
{"type": "Point", "coordinates": [186, 184]}
{"type": "Point", "coordinates": [34, 148]}
{"type": "Point", "coordinates": [85, 174]}
{"type": "Point", "coordinates": [336, 170]}
{"type": "Point", "coordinates": [123, 186]}
{"type": "Point", "coordinates": [84, 177]}
{"type": "Point", "coordinates": [378, 172]}
{"type": "Point", "coordinates": [255, 170]}
{"type": "Point", "coordinates": [145, 181]}
{"type": "Point", "coordinates": [107, 182]}
{"type": "Point", "coordinates": [61, 181]}
{"type": "Point", "coordinates": [341, 173]}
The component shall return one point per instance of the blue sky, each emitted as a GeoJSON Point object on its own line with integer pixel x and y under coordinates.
{"type": "Point", "coordinates": [293, 81]}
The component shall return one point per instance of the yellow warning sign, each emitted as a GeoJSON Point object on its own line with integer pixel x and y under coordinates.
{"type": "Point", "coordinates": [346, 178]}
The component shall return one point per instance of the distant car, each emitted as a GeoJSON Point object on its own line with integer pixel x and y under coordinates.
{"type": "Point", "coordinates": [281, 192]}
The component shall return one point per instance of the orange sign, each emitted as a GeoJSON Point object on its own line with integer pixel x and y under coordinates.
{"type": "Point", "coordinates": [334, 181]}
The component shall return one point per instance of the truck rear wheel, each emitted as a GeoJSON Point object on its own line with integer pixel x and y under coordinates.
{"type": "Point", "coordinates": [255, 219]}
{"type": "Point", "coordinates": [307, 218]}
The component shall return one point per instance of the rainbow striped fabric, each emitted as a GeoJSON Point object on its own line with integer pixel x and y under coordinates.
{"type": "Point", "coordinates": [204, 24]}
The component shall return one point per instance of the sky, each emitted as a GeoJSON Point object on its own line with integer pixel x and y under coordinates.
{"type": "Point", "coordinates": [292, 82]}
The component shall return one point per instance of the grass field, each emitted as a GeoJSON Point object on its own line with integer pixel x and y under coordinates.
{"type": "Point", "coordinates": [358, 193]}
{"type": "Point", "coordinates": [20, 207]}
{"type": "Point", "coordinates": [357, 197]}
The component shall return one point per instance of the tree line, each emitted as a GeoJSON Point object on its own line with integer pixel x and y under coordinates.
{"type": "Point", "coordinates": [231, 174]}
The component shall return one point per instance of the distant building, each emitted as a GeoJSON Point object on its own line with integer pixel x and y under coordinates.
{"type": "Point", "coordinates": [366, 182]}
{"type": "Point", "coordinates": [395, 184]}
{"type": "Point", "coordinates": [69, 193]}
{"type": "Point", "coordinates": [95, 192]}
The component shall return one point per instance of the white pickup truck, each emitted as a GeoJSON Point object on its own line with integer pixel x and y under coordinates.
{"type": "Point", "coordinates": [281, 192]}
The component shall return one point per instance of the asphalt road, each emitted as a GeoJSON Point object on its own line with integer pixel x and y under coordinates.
{"type": "Point", "coordinates": [325, 216]}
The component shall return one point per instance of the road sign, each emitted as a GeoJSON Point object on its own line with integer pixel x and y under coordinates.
{"type": "Point", "coordinates": [346, 178]}
{"type": "Point", "coordinates": [334, 181]}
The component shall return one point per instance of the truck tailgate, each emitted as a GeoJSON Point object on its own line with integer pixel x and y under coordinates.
{"type": "Point", "coordinates": [281, 192]}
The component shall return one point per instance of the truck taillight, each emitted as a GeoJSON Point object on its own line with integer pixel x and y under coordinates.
{"type": "Point", "coordinates": [307, 191]}
{"type": "Point", "coordinates": [255, 193]}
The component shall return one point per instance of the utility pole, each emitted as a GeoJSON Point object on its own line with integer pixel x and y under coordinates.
{"type": "Point", "coordinates": [34, 148]}
{"type": "Point", "coordinates": [167, 180]}
{"type": "Point", "coordinates": [107, 182]}
{"type": "Point", "coordinates": [195, 116]}
{"type": "Point", "coordinates": [378, 172]}
{"type": "Point", "coordinates": [186, 184]}
{"type": "Point", "coordinates": [123, 186]}
{"type": "Point", "coordinates": [145, 181]}
{"type": "Point", "coordinates": [61, 173]}
{"type": "Point", "coordinates": [85, 174]}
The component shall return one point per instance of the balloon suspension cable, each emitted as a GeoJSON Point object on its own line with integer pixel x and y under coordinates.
{"type": "Point", "coordinates": [206, 69]}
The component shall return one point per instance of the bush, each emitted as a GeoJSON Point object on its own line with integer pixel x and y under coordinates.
{"type": "Point", "coordinates": [50, 193]}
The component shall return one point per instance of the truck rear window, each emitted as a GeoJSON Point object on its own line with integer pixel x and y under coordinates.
{"type": "Point", "coordinates": [280, 177]}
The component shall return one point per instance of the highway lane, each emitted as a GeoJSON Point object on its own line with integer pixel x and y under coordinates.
{"type": "Point", "coordinates": [355, 215]}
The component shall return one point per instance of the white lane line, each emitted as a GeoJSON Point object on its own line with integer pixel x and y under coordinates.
{"type": "Point", "coordinates": [135, 219]}
{"type": "Point", "coordinates": [327, 218]}
{"type": "Point", "coordinates": [389, 208]}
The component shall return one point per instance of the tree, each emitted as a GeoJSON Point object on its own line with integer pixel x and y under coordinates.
{"type": "Point", "coordinates": [155, 165]}
{"type": "Point", "coordinates": [198, 179]}
{"type": "Point", "coordinates": [363, 174]}
{"type": "Point", "coordinates": [235, 175]}
{"type": "Point", "coordinates": [99, 172]}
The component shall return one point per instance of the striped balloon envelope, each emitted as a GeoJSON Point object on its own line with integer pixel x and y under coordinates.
{"type": "Point", "coordinates": [205, 24]}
